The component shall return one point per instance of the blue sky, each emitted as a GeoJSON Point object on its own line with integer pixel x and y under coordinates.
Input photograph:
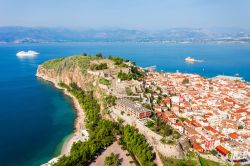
{"type": "Point", "coordinates": [134, 14]}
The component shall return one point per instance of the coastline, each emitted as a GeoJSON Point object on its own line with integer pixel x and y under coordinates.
{"type": "Point", "coordinates": [78, 122]}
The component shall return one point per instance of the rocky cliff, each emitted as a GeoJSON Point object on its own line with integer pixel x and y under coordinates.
{"type": "Point", "coordinates": [68, 70]}
{"type": "Point", "coordinates": [78, 70]}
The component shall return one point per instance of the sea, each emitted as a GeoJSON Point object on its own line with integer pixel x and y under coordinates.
{"type": "Point", "coordinates": [36, 118]}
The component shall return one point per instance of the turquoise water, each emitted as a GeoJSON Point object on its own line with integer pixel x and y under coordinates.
{"type": "Point", "coordinates": [35, 117]}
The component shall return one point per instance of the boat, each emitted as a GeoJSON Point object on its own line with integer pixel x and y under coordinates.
{"type": "Point", "coordinates": [192, 60]}
{"type": "Point", "coordinates": [29, 53]}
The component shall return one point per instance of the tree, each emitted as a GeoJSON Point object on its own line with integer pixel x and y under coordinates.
{"type": "Point", "coordinates": [136, 73]}
{"type": "Point", "coordinates": [182, 119]}
{"type": "Point", "coordinates": [99, 55]}
{"type": "Point", "coordinates": [229, 154]}
{"type": "Point", "coordinates": [136, 144]}
{"type": "Point", "coordinates": [117, 60]}
{"type": "Point", "coordinates": [112, 159]}
{"type": "Point", "coordinates": [185, 81]}
{"type": "Point", "coordinates": [213, 151]}
{"type": "Point", "coordinates": [101, 132]}
{"type": "Point", "coordinates": [110, 100]}
{"type": "Point", "coordinates": [123, 76]}
{"type": "Point", "coordinates": [146, 105]}
{"type": "Point", "coordinates": [104, 81]}
{"type": "Point", "coordinates": [129, 91]}
{"type": "Point", "coordinates": [240, 127]}
{"type": "Point", "coordinates": [100, 66]}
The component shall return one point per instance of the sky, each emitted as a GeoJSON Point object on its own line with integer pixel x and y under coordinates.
{"type": "Point", "coordinates": [133, 14]}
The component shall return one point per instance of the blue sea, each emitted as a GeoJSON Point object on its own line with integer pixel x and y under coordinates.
{"type": "Point", "coordinates": [35, 118]}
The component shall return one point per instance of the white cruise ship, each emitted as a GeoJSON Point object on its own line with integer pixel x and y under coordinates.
{"type": "Point", "coordinates": [192, 60]}
{"type": "Point", "coordinates": [27, 53]}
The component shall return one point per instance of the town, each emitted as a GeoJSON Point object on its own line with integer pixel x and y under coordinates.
{"type": "Point", "coordinates": [211, 115]}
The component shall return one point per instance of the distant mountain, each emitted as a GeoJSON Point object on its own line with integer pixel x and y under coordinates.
{"type": "Point", "coordinates": [174, 35]}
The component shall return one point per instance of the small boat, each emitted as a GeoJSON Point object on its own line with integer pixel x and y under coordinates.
{"type": "Point", "coordinates": [27, 53]}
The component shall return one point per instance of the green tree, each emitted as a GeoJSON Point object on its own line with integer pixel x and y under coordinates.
{"type": "Point", "coordinates": [123, 76]}
{"type": "Point", "coordinates": [110, 100]}
{"type": "Point", "coordinates": [99, 55]}
{"type": "Point", "coordinates": [136, 144]}
{"type": "Point", "coordinates": [100, 66]}
{"type": "Point", "coordinates": [185, 81]}
{"type": "Point", "coordinates": [112, 159]}
{"type": "Point", "coordinates": [240, 127]}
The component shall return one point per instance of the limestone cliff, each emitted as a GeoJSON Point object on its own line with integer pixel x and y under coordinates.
{"type": "Point", "coordinates": [78, 70]}
{"type": "Point", "coordinates": [68, 70]}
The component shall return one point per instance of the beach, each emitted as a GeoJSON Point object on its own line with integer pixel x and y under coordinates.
{"type": "Point", "coordinates": [80, 132]}
{"type": "Point", "coordinates": [78, 125]}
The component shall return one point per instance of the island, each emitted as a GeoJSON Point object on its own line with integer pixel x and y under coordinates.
{"type": "Point", "coordinates": [127, 115]}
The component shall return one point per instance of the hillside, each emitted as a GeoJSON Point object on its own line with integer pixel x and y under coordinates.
{"type": "Point", "coordinates": [94, 73]}
{"type": "Point", "coordinates": [172, 35]}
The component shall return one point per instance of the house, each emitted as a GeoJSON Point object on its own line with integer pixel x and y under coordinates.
{"type": "Point", "coordinates": [222, 150]}
{"type": "Point", "coordinates": [132, 108]}
{"type": "Point", "coordinates": [197, 147]}
{"type": "Point", "coordinates": [179, 126]}
{"type": "Point", "coordinates": [233, 136]}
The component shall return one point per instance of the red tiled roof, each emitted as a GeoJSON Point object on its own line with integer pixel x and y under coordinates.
{"type": "Point", "coordinates": [197, 147]}
{"type": "Point", "coordinates": [195, 123]}
{"type": "Point", "coordinates": [222, 150]}
{"type": "Point", "coordinates": [172, 117]}
{"type": "Point", "coordinates": [178, 124]}
{"type": "Point", "coordinates": [229, 100]}
{"type": "Point", "coordinates": [209, 128]}
{"type": "Point", "coordinates": [233, 135]}
{"type": "Point", "coordinates": [187, 121]}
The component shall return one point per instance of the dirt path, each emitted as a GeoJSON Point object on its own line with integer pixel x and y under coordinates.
{"type": "Point", "coordinates": [116, 149]}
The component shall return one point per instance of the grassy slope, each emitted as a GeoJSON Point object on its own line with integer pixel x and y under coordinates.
{"type": "Point", "coordinates": [59, 64]}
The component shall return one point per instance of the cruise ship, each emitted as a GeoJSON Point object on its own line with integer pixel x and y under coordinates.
{"type": "Point", "coordinates": [27, 53]}
{"type": "Point", "coordinates": [192, 60]}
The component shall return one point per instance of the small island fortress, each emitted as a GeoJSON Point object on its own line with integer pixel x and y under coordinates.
{"type": "Point", "coordinates": [159, 118]}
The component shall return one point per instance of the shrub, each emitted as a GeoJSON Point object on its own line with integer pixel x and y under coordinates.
{"type": "Point", "coordinates": [123, 76]}
{"type": "Point", "coordinates": [104, 81]}
{"type": "Point", "coordinates": [185, 81]}
{"type": "Point", "coordinates": [100, 66]}
{"type": "Point", "coordinates": [112, 159]}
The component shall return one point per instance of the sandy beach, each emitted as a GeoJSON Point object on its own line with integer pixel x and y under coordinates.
{"type": "Point", "coordinates": [79, 124]}
{"type": "Point", "coordinates": [79, 121]}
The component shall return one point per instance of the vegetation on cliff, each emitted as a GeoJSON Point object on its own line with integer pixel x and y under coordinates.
{"type": "Point", "coordinates": [134, 74]}
{"type": "Point", "coordinates": [118, 61]}
{"type": "Point", "coordinates": [124, 76]}
{"type": "Point", "coordinates": [136, 144]}
{"type": "Point", "coordinates": [81, 61]}
{"type": "Point", "coordinates": [104, 81]}
{"type": "Point", "coordinates": [102, 133]}
{"type": "Point", "coordinates": [100, 66]}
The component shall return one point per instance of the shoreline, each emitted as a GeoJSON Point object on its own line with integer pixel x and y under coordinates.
{"type": "Point", "coordinates": [78, 122]}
